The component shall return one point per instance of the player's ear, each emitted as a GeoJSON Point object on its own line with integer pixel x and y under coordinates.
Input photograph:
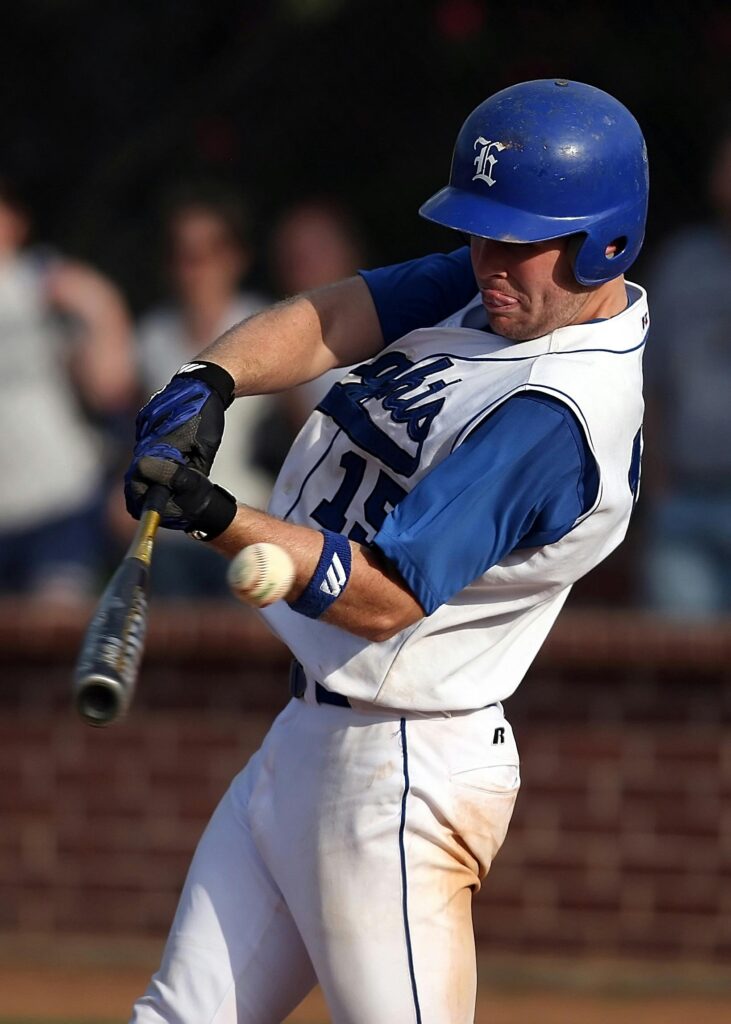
{"type": "Point", "coordinates": [615, 248]}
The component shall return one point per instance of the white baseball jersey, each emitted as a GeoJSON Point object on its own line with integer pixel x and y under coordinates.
{"type": "Point", "coordinates": [394, 419]}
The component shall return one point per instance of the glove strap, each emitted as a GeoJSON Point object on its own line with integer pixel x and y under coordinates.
{"type": "Point", "coordinates": [215, 516]}
{"type": "Point", "coordinates": [213, 375]}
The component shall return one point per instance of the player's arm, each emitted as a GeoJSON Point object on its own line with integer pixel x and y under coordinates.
{"type": "Point", "coordinates": [283, 346]}
{"type": "Point", "coordinates": [375, 604]}
{"type": "Point", "coordinates": [371, 600]}
{"type": "Point", "coordinates": [299, 339]}
{"type": "Point", "coordinates": [341, 324]}
{"type": "Point", "coordinates": [296, 341]}
{"type": "Point", "coordinates": [523, 478]}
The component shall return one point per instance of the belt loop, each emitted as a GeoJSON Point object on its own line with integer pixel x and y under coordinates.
{"type": "Point", "coordinates": [324, 696]}
{"type": "Point", "coordinates": [297, 680]}
{"type": "Point", "coordinates": [298, 689]}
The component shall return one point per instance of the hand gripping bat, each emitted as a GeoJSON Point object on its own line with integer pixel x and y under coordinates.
{"type": "Point", "coordinates": [109, 659]}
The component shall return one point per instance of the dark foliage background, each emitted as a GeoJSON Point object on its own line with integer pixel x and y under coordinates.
{"type": "Point", "coordinates": [105, 105]}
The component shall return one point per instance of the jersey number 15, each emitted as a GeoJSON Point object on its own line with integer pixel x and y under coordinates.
{"type": "Point", "coordinates": [385, 495]}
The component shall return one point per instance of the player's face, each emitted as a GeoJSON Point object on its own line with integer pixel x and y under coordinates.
{"type": "Point", "coordinates": [529, 289]}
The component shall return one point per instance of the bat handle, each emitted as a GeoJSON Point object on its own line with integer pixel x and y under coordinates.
{"type": "Point", "coordinates": [156, 498]}
{"type": "Point", "coordinates": [155, 501]}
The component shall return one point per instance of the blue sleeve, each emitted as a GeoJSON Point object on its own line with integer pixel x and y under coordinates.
{"type": "Point", "coordinates": [521, 479]}
{"type": "Point", "coordinates": [422, 292]}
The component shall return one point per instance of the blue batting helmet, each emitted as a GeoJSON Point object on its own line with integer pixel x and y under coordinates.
{"type": "Point", "coordinates": [547, 159]}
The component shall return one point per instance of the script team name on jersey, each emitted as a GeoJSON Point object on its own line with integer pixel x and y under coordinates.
{"type": "Point", "coordinates": [403, 389]}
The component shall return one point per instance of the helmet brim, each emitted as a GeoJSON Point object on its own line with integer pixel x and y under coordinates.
{"type": "Point", "coordinates": [484, 217]}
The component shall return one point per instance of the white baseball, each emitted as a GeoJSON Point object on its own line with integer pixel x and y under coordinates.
{"type": "Point", "coordinates": [261, 574]}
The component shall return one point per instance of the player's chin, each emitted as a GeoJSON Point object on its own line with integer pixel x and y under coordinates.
{"type": "Point", "coordinates": [510, 326]}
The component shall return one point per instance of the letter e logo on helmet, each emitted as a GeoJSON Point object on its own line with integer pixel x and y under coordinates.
{"type": "Point", "coordinates": [485, 159]}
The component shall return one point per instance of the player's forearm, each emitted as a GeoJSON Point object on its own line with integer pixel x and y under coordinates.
{"type": "Point", "coordinates": [300, 339]}
{"type": "Point", "coordinates": [273, 350]}
{"type": "Point", "coordinates": [375, 604]}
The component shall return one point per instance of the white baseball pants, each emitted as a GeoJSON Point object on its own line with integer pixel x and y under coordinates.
{"type": "Point", "coordinates": [346, 853]}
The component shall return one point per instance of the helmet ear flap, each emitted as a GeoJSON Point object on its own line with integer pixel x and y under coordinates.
{"type": "Point", "coordinates": [575, 242]}
{"type": "Point", "coordinates": [590, 263]}
{"type": "Point", "coordinates": [587, 258]}
{"type": "Point", "coordinates": [608, 249]}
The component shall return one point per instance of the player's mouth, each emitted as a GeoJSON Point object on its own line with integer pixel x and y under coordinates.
{"type": "Point", "coordinates": [496, 301]}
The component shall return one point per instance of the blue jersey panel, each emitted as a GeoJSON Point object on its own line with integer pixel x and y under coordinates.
{"type": "Point", "coordinates": [521, 479]}
{"type": "Point", "coordinates": [422, 292]}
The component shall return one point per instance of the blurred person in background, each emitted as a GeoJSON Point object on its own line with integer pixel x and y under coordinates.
{"type": "Point", "coordinates": [687, 569]}
{"type": "Point", "coordinates": [315, 243]}
{"type": "Point", "coordinates": [67, 378]}
{"type": "Point", "coordinates": [208, 257]}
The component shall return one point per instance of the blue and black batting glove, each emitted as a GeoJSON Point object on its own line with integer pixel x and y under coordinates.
{"type": "Point", "coordinates": [188, 414]}
{"type": "Point", "coordinates": [196, 505]}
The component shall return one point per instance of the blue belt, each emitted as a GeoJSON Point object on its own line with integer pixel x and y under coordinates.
{"type": "Point", "coordinates": [298, 685]}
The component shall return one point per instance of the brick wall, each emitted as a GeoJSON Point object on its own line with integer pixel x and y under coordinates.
{"type": "Point", "coordinates": [621, 840]}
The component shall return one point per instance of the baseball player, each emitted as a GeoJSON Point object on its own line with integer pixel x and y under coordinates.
{"type": "Point", "coordinates": [481, 455]}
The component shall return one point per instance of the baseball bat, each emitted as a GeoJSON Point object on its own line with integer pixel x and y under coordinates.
{"type": "Point", "coordinates": [108, 663]}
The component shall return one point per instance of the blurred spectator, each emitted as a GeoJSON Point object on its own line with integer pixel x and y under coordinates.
{"type": "Point", "coordinates": [314, 243]}
{"type": "Point", "coordinates": [687, 570]}
{"type": "Point", "coordinates": [209, 255]}
{"type": "Point", "coordinates": [67, 370]}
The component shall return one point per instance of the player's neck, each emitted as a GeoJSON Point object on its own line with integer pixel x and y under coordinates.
{"type": "Point", "coordinates": [606, 301]}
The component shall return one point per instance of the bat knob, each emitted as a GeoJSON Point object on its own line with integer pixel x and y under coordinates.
{"type": "Point", "coordinates": [100, 700]}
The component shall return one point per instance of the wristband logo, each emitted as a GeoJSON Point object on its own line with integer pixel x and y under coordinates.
{"type": "Point", "coordinates": [335, 578]}
{"type": "Point", "coordinates": [190, 367]}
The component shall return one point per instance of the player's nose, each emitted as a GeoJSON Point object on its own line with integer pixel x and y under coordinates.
{"type": "Point", "coordinates": [489, 258]}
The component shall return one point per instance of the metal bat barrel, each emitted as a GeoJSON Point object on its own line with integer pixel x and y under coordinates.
{"type": "Point", "coordinates": [107, 668]}
{"type": "Point", "coordinates": [108, 664]}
